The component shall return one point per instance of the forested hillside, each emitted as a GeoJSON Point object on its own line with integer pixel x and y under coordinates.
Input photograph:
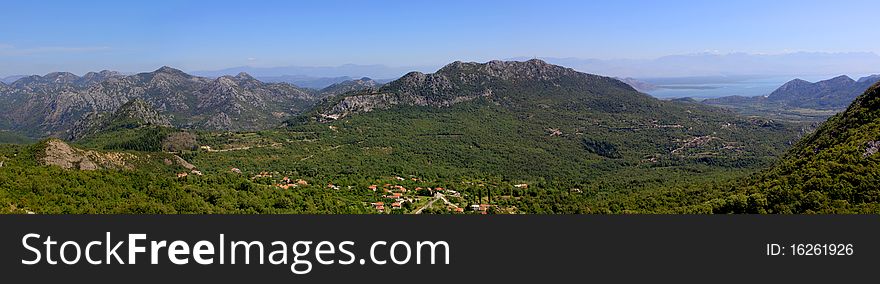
{"type": "Point", "coordinates": [834, 170]}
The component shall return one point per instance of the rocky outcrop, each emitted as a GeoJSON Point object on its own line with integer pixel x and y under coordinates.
{"type": "Point", "coordinates": [871, 148]}
{"type": "Point", "coordinates": [57, 153]}
{"type": "Point", "coordinates": [54, 152]}
{"type": "Point", "coordinates": [183, 163]}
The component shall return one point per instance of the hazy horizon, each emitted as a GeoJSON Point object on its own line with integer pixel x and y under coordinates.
{"type": "Point", "coordinates": [206, 36]}
{"type": "Point", "coordinates": [644, 68]}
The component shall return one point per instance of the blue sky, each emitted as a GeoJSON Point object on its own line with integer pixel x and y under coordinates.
{"type": "Point", "coordinates": [79, 36]}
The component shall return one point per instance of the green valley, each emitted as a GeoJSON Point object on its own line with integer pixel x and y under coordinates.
{"type": "Point", "coordinates": [497, 137]}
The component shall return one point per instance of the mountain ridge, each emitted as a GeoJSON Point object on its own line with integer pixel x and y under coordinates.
{"type": "Point", "coordinates": [346, 70]}
{"type": "Point", "coordinates": [464, 81]}
{"type": "Point", "coordinates": [49, 105]}
{"type": "Point", "coordinates": [801, 100]}
{"type": "Point", "coordinates": [834, 93]}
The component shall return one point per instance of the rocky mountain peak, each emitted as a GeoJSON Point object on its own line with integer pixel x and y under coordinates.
{"type": "Point", "coordinates": [796, 82]}
{"type": "Point", "coordinates": [507, 70]}
{"type": "Point", "coordinates": [169, 73]}
{"type": "Point", "coordinates": [837, 83]}
{"type": "Point", "coordinates": [246, 80]}
{"type": "Point", "coordinates": [169, 70]}
{"type": "Point", "coordinates": [244, 76]}
{"type": "Point", "coordinates": [414, 76]}
{"type": "Point", "coordinates": [841, 78]}
{"type": "Point", "coordinates": [791, 85]}
{"type": "Point", "coordinates": [60, 77]}
{"type": "Point", "coordinates": [834, 93]}
{"type": "Point", "coordinates": [165, 76]}
{"type": "Point", "coordinates": [226, 81]}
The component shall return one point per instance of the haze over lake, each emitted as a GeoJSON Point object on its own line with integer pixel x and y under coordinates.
{"type": "Point", "coordinates": [715, 87]}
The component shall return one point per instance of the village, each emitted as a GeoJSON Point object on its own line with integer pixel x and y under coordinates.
{"type": "Point", "coordinates": [392, 194]}
{"type": "Point", "coordinates": [396, 195]}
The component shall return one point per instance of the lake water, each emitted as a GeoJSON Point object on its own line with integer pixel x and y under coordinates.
{"type": "Point", "coordinates": [704, 88]}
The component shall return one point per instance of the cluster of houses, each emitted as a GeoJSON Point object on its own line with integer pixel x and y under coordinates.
{"type": "Point", "coordinates": [287, 183]}
{"type": "Point", "coordinates": [394, 192]}
{"type": "Point", "coordinates": [397, 193]}
{"type": "Point", "coordinates": [394, 196]}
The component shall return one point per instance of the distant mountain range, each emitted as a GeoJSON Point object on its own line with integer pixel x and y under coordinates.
{"type": "Point", "coordinates": [835, 93]}
{"type": "Point", "coordinates": [305, 81]}
{"type": "Point", "coordinates": [315, 82]}
{"type": "Point", "coordinates": [65, 105]}
{"type": "Point", "coordinates": [294, 74]}
{"type": "Point", "coordinates": [10, 79]}
{"type": "Point", "coordinates": [731, 64]}
{"type": "Point", "coordinates": [343, 87]}
{"type": "Point", "coordinates": [832, 94]}
{"type": "Point", "coordinates": [52, 104]}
